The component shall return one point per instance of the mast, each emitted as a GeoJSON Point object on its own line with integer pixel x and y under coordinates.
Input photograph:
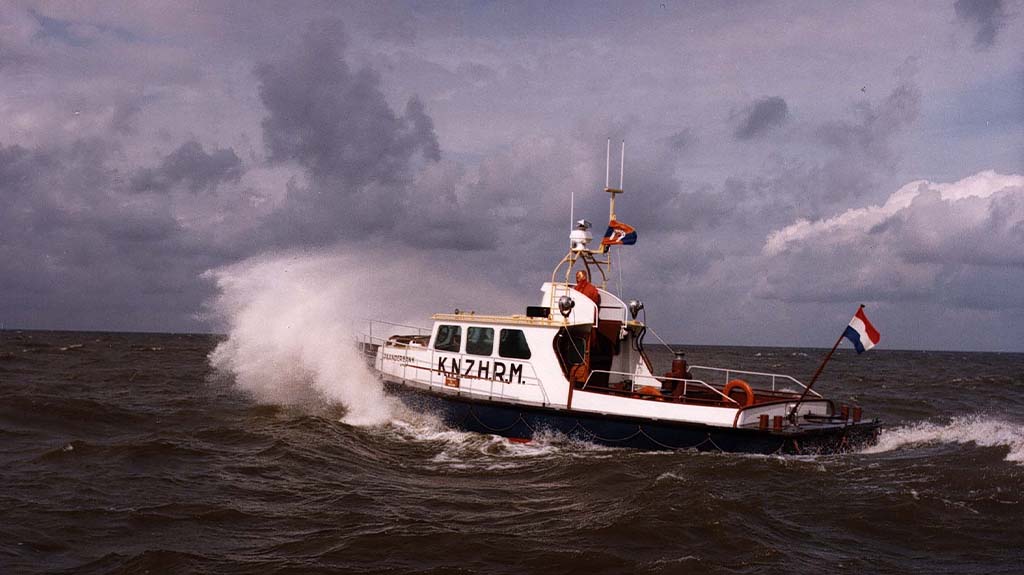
{"type": "Point", "coordinates": [581, 236]}
{"type": "Point", "coordinates": [622, 169]}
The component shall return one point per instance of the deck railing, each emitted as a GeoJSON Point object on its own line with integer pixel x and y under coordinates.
{"type": "Point", "coordinates": [729, 374]}
{"type": "Point", "coordinates": [635, 382]}
{"type": "Point", "coordinates": [370, 323]}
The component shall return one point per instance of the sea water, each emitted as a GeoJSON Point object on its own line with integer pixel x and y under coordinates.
{"type": "Point", "coordinates": [128, 453]}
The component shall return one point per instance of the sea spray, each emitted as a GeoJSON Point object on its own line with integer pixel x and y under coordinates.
{"type": "Point", "coordinates": [292, 320]}
{"type": "Point", "coordinates": [289, 338]}
{"type": "Point", "coordinates": [977, 429]}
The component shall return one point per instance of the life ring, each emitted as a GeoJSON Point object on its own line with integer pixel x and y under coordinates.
{"type": "Point", "coordinates": [740, 384]}
{"type": "Point", "coordinates": [650, 392]}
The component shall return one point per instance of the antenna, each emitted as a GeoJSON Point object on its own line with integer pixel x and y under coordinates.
{"type": "Point", "coordinates": [622, 165]}
{"type": "Point", "coordinates": [622, 169]}
{"type": "Point", "coordinates": [572, 208]}
{"type": "Point", "coordinates": [607, 163]}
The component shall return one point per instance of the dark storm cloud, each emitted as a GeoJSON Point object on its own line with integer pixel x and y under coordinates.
{"type": "Point", "coordinates": [731, 219]}
{"type": "Point", "coordinates": [59, 30]}
{"type": "Point", "coordinates": [16, 169]}
{"type": "Point", "coordinates": [987, 17]}
{"type": "Point", "coordinates": [845, 173]}
{"type": "Point", "coordinates": [77, 250]}
{"type": "Point", "coordinates": [681, 140]}
{"type": "Point", "coordinates": [76, 34]}
{"type": "Point", "coordinates": [869, 136]}
{"type": "Point", "coordinates": [337, 124]}
{"type": "Point", "coordinates": [125, 117]}
{"type": "Point", "coordinates": [149, 143]}
{"type": "Point", "coordinates": [787, 187]}
{"type": "Point", "coordinates": [13, 57]}
{"type": "Point", "coordinates": [761, 117]}
{"type": "Point", "coordinates": [19, 169]}
{"type": "Point", "coordinates": [191, 166]}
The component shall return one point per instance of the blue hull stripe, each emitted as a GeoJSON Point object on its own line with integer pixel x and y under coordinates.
{"type": "Point", "coordinates": [518, 421]}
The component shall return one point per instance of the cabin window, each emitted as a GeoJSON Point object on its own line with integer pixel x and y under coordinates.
{"type": "Point", "coordinates": [480, 340]}
{"type": "Point", "coordinates": [572, 348]}
{"type": "Point", "coordinates": [513, 344]}
{"type": "Point", "coordinates": [449, 338]}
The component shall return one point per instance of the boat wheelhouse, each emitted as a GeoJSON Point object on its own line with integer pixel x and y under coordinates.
{"type": "Point", "coordinates": [575, 364]}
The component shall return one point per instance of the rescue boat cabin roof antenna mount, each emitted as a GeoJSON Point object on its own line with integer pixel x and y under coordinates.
{"type": "Point", "coordinates": [580, 236]}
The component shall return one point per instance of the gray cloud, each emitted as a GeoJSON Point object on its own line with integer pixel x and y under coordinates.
{"type": "Point", "coordinates": [339, 127]}
{"type": "Point", "coordinates": [857, 156]}
{"type": "Point", "coordinates": [13, 57]}
{"type": "Point", "coordinates": [60, 30]}
{"type": "Point", "coordinates": [856, 153]}
{"type": "Point", "coordinates": [869, 136]}
{"type": "Point", "coordinates": [191, 166]}
{"type": "Point", "coordinates": [337, 123]}
{"type": "Point", "coordinates": [77, 33]}
{"type": "Point", "coordinates": [124, 119]}
{"type": "Point", "coordinates": [146, 144]}
{"type": "Point", "coordinates": [730, 220]}
{"type": "Point", "coordinates": [761, 117]}
{"type": "Point", "coordinates": [77, 250]}
{"type": "Point", "coordinates": [682, 139]}
{"type": "Point", "coordinates": [987, 17]}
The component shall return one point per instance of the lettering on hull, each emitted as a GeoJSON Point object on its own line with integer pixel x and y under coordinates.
{"type": "Point", "coordinates": [505, 372]}
{"type": "Point", "coordinates": [396, 358]}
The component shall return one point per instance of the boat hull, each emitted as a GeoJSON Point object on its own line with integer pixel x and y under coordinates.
{"type": "Point", "coordinates": [524, 422]}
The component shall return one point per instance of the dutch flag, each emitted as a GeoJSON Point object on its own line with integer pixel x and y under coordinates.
{"type": "Point", "coordinates": [860, 331]}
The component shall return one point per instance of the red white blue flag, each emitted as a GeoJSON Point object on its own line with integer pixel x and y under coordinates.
{"type": "Point", "coordinates": [860, 331]}
{"type": "Point", "coordinates": [619, 234]}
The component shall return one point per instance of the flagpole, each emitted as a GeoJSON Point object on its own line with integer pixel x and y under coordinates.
{"type": "Point", "coordinates": [792, 414]}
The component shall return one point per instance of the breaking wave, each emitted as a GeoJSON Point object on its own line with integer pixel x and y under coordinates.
{"type": "Point", "coordinates": [977, 429]}
{"type": "Point", "coordinates": [291, 321]}
{"type": "Point", "coordinates": [455, 449]}
{"type": "Point", "coordinates": [289, 339]}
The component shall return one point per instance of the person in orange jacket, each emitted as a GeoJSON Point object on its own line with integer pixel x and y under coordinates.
{"type": "Point", "coordinates": [586, 288]}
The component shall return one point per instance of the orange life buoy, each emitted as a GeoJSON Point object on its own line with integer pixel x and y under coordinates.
{"type": "Point", "coordinates": [740, 384]}
{"type": "Point", "coordinates": [650, 392]}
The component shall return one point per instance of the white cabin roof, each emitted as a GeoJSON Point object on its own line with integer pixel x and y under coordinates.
{"type": "Point", "coordinates": [469, 317]}
{"type": "Point", "coordinates": [612, 308]}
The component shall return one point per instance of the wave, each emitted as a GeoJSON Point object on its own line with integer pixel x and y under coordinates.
{"type": "Point", "coordinates": [465, 450]}
{"type": "Point", "coordinates": [978, 429]}
{"type": "Point", "coordinates": [291, 324]}
{"type": "Point", "coordinates": [288, 340]}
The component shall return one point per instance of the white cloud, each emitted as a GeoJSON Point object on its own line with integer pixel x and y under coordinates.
{"type": "Point", "coordinates": [860, 221]}
{"type": "Point", "coordinates": [940, 241]}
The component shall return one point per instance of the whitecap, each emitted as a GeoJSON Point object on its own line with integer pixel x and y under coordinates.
{"type": "Point", "coordinates": [977, 429]}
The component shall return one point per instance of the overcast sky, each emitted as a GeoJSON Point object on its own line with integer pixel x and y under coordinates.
{"type": "Point", "coordinates": [785, 162]}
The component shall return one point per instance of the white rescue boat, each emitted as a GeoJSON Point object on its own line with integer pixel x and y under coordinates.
{"type": "Point", "coordinates": [575, 364]}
